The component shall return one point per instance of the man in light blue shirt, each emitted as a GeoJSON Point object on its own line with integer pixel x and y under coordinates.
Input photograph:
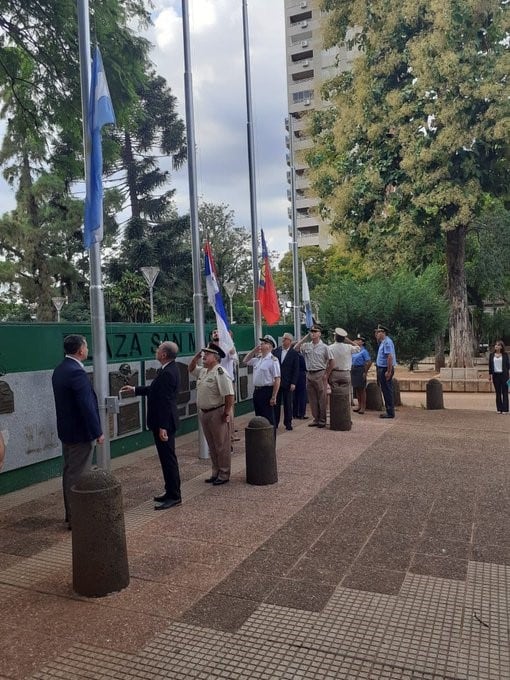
{"type": "Point", "coordinates": [386, 362]}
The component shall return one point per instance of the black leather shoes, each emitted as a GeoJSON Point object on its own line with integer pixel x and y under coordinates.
{"type": "Point", "coordinates": [169, 503]}
{"type": "Point", "coordinates": [321, 424]}
{"type": "Point", "coordinates": [217, 481]}
{"type": "Point", "coordinates": [210, 480]}
{"type": "Point", "coordinates": [160, 499]}
{"type": "Point", "coordinates": [289, 428]}
{"type": "Point", "coordinates": [313, 424]}
{"type": "Point", "coordinates": [386, 415]}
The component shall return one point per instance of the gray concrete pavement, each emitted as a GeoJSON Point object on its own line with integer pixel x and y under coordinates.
{"type": "Point", "coordinates": [381, 553]}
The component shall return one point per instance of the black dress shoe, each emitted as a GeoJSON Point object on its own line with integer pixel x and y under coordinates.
{"type": "Point", "coordinates": [210, 480]}
{"type": "Point", "coordinates": [160, 499]}
{"type": "Point", "coordinates": [321, 424]}
{"type": "Point", "coordinates": [386, 415]}
{"type": "Point", "coordinates": [289, 428]}
{"type": "Point", "coordinates": [217, 481]}
{"type": "Point", "coordinates": [169, 503]}
{"type": "Point", "coordinates": [313, 424]}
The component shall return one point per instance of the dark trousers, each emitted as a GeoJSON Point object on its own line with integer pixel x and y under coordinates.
{"type": "Point", "coordinates": [285, 397]}
{"type": "Point", "coordinates": [300, 398]}
{"type": "Point", "coordinates": [261, 399]}
{"type": "Point", "coordinates": [169, 465]}
{"type": "Point", "coordinates": [501, 389]}
{"type": "Point", "coordinates": [77, 460]}
{"type": "Point", "coordinates": [386, 389]}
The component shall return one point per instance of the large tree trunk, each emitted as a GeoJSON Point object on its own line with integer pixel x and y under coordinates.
{"type": "Point", "coordinates": [461, 340]}
{"type": "Point", "coordinates": [439, 361]}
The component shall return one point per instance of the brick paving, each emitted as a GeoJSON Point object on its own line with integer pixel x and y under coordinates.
{"type": "Point", "coordinates": [381, 553]}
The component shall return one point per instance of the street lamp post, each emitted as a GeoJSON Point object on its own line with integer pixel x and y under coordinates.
{"type": "Point", "coordinates": [230, 288]}
{"type": "Point", "coordinates": [58, 303]}
{"type": "Point", "coordinates": [284, 301]}
{"type": "Point", "coordinates": [150, 274]}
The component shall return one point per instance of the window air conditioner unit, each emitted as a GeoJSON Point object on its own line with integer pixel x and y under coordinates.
{"type": "Point", "coordinates": [305, 63]}
{"type": "Point", "coordinates": [304, 24]}
{"type": "Point", "coordinates": [307, 102]}
{"type": "Point", "coordinates": [304, 43]}
{"type": "Point", "coordinates": [303, 4]}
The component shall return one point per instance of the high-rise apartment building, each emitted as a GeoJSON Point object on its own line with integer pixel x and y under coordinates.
{"type": "Point", "coordinates": [308, 65]}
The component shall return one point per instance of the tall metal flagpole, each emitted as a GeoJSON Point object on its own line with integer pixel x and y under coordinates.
{"type": "Point", "coordinates": [96, 287]}
{"type": "Point", "coordinates": [257, 321]}
{"type": "Point", "coordinates": [295, 270]}
{"type": "Point", "coordinates": [198, 305]}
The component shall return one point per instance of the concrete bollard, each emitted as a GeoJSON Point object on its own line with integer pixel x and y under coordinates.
{"type": "Point", "coordinates": [100, 564]}
{"type": "Point", "coordinates": [260, 448]}
{"type": "Point", "coordinates": [374, 397]}
{"type": "Point", "coordinates": [397, 399]}
{"type": "Point", "coordinates": [434, 395]}
{"type": "Point", "coordinates": [340, 411]}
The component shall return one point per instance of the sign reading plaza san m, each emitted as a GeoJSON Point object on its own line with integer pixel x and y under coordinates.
{"type": "Point", "coordinates": [143, 344]}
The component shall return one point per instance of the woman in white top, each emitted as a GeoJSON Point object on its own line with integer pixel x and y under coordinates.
{"type": "Point", "coordinates": [499, 369]}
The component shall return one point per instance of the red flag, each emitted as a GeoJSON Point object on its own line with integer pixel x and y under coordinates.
{"type": "Point", "coordinates": [267, 292]}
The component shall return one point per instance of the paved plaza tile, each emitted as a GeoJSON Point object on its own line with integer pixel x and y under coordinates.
{"type": "Point", "coordinates": [381, 553]}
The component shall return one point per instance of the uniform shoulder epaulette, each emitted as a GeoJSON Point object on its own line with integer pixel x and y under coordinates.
{"type": "Point", "coordinates": [220, 370]}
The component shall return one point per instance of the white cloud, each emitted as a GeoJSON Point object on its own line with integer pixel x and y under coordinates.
{"type": "Point", "coordinates": [217, 63]}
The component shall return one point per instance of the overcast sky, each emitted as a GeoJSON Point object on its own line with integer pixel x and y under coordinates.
{"type": "Point", "coordinates": [217, 63]}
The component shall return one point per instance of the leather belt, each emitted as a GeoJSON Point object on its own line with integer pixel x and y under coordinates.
{"type": "Point", "coordinates": [317, 370]}
{"type": "Point", "coordinates": [263, 387]}
{"type": "Point", "coordinates": [214, 408]}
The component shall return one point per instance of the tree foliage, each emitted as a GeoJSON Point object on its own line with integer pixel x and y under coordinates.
{"type": "Point", "coordinates": [42, 149]}
{"type": "Point", "coordinates": [417, 134]}
{"type": "Point", "coordinates": [412, 307]}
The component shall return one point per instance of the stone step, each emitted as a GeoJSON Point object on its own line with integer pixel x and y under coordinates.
{"type": "Point", "coordinates": [420, 385]}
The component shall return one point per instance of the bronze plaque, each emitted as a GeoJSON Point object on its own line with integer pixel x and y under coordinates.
{"type": "Point", "coordinates": [243, 387]}
{"type": "Point", "coordinates": [6, 398]}
{"type": "Point", "coordinates": [124, 376]}
{"type": "Point", "coordinates": [128, 419]}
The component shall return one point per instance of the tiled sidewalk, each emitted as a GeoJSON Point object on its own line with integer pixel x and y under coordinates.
{"type": "Point", "coordinates": [383, 552]}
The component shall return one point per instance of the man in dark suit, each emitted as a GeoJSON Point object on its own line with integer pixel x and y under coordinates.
{"type": "Point", "coordinates": [289, 368]}
{"type": "Point", "coordinates": [163, 420]}
{"type": "Point", "coordinates": [78, 423]}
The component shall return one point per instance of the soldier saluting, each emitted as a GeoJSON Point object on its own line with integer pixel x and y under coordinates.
{"type": "Point", "coordinates": [215, 399]}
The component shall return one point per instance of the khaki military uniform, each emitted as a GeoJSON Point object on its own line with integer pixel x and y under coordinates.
{"type": "Point", "coordinates": [212, 388]}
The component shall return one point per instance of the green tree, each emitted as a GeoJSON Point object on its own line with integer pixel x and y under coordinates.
{"type": "Point", "coordinates": [231, 247]}
{"type": "Point", "coordinates": [417, 135]}
{"type": "Point", "coordinates": [129, 298]}
{"type": "Point", "coordinates": [413, 307]}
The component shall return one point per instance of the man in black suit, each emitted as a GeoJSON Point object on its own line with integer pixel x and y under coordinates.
{"type": "Point", "coordinates": [78, 423]}
{"type": "Point", "coordinates": [289, 368]}
{"type": "Point", "coordinates": [163, 420]}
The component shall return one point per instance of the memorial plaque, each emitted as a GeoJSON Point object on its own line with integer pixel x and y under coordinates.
{"type": "Point", "coordinates": [183, 375]}
{"type": "Point", "coordinates": [128, 419]}
{"type": "Point", "coordinates": [243, 387]}
{"type": "Point", "coordinates": [183, 397]}
{"type": "Point", "coordinates": [150, 373]}
{"type": "Point", "coordinates": [124, 376]}
{"type": "Point", "coordinates": [6, 398]}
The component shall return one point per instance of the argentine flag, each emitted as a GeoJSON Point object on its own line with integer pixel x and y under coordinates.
{"type": "Point", "coordinates": [100, 113]}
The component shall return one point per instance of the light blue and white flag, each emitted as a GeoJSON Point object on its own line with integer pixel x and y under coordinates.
{"type": "Point", "coordinates": [305, 296]}
{"type": "Point", "coordinates": [216, 301]}
{"type": "Point", "coordinates": [100, 113]}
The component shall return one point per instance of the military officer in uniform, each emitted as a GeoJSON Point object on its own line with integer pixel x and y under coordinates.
{"type": "Point", "coordinates": [266, 378]}
{"type": "Point", "coordinates": [215, 399]}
